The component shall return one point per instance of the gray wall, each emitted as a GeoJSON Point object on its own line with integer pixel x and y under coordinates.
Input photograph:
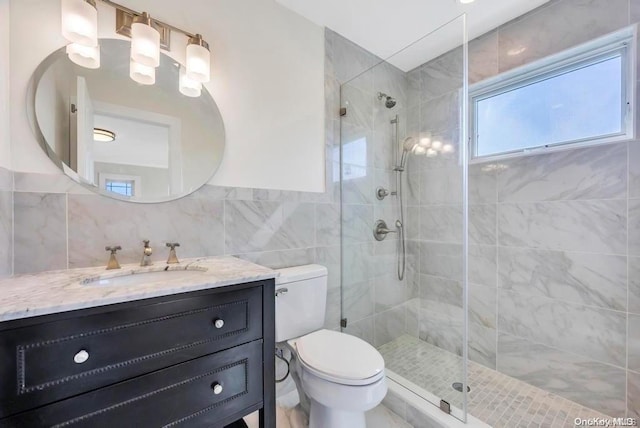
{"type": "Point", "coordinates": [552, 236]}
{"type": "Point", "coordinates": [6, 223]}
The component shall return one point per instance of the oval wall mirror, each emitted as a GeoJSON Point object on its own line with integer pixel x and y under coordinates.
{"type": "Point", "coordinates": [140, 143]}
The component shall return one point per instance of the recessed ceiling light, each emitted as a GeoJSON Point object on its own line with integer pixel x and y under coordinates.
{"type": "Point", "coordinates": [466, 1]}
{"type": "Point", "coordinates": [103, 135]}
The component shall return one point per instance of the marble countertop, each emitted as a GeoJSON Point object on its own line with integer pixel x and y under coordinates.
{"type": "Point", "coordinates": [43, 293]}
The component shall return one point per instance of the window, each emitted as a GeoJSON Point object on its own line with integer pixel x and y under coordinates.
{"type": "Point", "coordinates": [121, 184]}
{"type": "Point", "coordinates": [580, 96]}
{"type": "Point", "coordinates": [124, 188]}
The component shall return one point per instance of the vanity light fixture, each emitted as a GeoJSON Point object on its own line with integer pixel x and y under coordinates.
{"type": "Point", "coordinates": [148, 36]}
{"type": "Point", "coordinates": [466, 1]}
{"type": "Point", "coordinates": [198, 59]}
{"type": "Point", "coordinates": [187, 86]}
{"type": "Point", "coordinates": [84, 56]}
{"type": "Point", "coordinates": [103, 135]}
{"type": "Point", "coordinates": [145, 41]}
{"type": "Point", "coordinates": [80, 22]}
{"type": "Point", "coordinates": [142, 74]}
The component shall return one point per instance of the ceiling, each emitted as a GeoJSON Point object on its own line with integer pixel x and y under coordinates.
{"type": "Point", "coordinates": [385, 27]}
{"type": "Point", "coordinates": [137, 142]}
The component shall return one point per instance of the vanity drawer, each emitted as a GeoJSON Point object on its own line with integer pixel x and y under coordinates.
{"type": "Point", "coordinates": [47, 362]}
{"type": "Point", "coordinates": [184, 395]}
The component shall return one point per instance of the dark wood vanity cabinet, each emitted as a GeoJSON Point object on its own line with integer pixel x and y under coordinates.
{"type": "Point", "coordinates": [198, 359]}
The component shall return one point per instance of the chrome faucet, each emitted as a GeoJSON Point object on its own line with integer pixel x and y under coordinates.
{"type": "Point", "coordinates": [173, 258]}
{"type": "Point", "coordinates": [113, 262]}
{"type": "Point", "coordinates": [146, 255]}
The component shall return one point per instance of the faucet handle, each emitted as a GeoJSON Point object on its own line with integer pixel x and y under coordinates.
{"type": "Point", "coordinates": [113, 262]}
{"type": "Point", "coordinates": [147, 248]}
{"type": "Point", "coordinates": [173, 258]}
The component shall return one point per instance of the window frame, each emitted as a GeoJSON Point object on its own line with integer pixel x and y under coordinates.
{"type": "Point", "coordinates": [620, 43]}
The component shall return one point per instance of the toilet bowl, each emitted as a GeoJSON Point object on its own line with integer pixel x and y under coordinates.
{"type": "Point", "coordinates": [341, 375]}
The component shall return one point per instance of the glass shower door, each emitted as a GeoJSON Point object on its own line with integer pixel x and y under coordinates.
{"type": "Point", "coordinates": [404, 212]}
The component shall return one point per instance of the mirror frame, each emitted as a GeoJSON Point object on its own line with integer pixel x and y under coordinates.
{"type": "Point", "coordinates": [35, 127]}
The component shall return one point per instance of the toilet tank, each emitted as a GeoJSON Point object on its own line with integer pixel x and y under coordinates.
{"type": "Point", "coordinates": [300, 308]}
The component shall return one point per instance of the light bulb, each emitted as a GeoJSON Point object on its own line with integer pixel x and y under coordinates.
{"type": "Point", "coordinates": [425, 142]}
{"type": "Point", "coordinates": [80, 22]}
{"type": "Point", "coordinates": [145, 41]}
{"type": "Point", "coordinates": [198, 59]}
{"type": "Point", "coordinates": [187, 86]}
{"type": "Point", "coordinates": [141, 73]}
{"type": "Point", "coordinates": [431, 153]}
{"type": "Point", "coordinates": [436, 145]}
{"type": "Point", "coordinates": [84, 56]}
{"type": "Point", "coordinates": [447, 148]}
{"type": "Point", "coordinates": [419, 150]}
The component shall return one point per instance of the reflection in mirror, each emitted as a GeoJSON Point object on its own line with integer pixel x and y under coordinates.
{"type": "Point", "coordinates": [122, 139]}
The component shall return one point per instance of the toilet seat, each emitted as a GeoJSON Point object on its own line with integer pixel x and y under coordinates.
{"type": "Point", "coordinates": [340, 358]}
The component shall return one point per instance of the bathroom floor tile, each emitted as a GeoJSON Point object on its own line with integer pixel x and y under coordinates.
{"type": "Point", "coordinates": [379, 417]}
{"type": "Point", "coordinates": [497, 399]}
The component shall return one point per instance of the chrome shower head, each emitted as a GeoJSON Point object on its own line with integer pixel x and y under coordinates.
{"type": "Point", "coordinates": [389, 101]}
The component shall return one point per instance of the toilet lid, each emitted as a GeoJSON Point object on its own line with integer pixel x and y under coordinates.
{"type": "Point", "coordinates": [340, 356]}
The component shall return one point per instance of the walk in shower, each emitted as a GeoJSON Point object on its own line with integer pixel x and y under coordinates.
{"type": "Point", "coordinates": [404, 233]}
{"type": "Point", "coordinates": [495, 288]}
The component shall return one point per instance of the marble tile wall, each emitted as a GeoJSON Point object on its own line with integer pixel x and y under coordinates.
{"type": "Point", "coordinates": [6, 223]}
{"type": "Point", "coordinates": [554, 238]}
{"type": "Point", "coordinates": [373, 297]}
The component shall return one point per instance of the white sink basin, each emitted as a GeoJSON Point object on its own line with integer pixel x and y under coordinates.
{"type": "Point", "coordinates": [142, 278]}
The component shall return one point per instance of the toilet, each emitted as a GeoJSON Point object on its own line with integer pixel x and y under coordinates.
{"type": "Point", "coordinates": [341, 375]}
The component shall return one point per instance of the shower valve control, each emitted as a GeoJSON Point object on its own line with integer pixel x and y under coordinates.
{"type": "Point", "coordinates": [381, 193]}
{"type": "Point", "coordinates": [380, 230]}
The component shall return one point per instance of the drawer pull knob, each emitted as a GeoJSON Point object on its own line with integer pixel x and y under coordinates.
{"type": "Point", "coordinates": [218, 323]}
{"type": "Point", "coordinates": [81, 357]}
{"type": "Point", "coordinates": [217, 388]}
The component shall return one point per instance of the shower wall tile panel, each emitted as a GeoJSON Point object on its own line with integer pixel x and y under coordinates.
{"type": "Point", "coordinates": [575, 376]}
{"type": "Point", "coordinates": [590, 173]}
{"type": "Point", "coordinates": [586, 278]}
{"type": "Point", "coordinates": [634, 285]}
{"type": "Point", "coordinates": [599, 333]}
{"type": "Point", "coordinates": [634, 342]}
{"type": "Point", "coordinates": [634, 227]}
{"type": "Point", "coordinates": [595, 226]}
{"type": "Point", "coordinates": [633, 394]}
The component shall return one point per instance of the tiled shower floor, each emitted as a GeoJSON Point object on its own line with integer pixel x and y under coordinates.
{"type": "Point", "coordinates": [496, 399]}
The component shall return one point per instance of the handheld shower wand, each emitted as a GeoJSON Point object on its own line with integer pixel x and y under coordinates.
{"type": "Point", "coordinates": [409, 145]}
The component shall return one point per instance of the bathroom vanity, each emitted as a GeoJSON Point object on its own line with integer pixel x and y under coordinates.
{"type": "Point", "coordinates": [108, 349]}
